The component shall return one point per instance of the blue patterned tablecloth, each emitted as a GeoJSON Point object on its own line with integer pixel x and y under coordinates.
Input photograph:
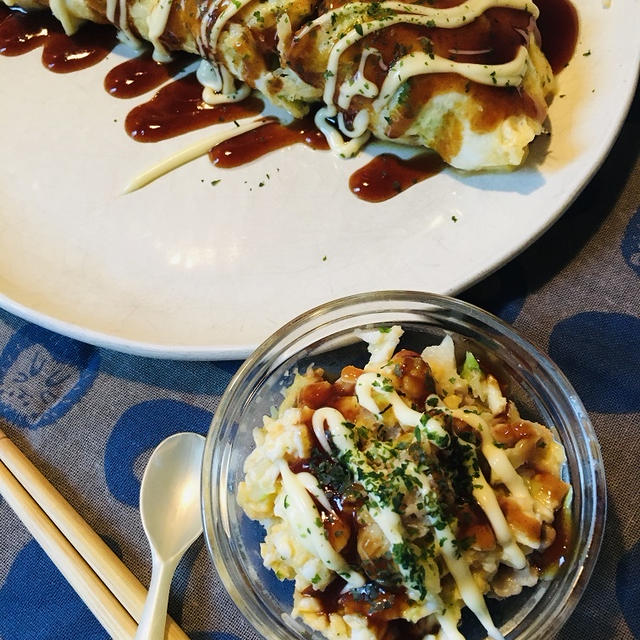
{"type": "Point", "coordinates": [89, 417]}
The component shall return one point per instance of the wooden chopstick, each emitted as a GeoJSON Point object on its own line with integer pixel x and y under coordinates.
{"type": "Point", "coordinates": [101, 602]}
{"type": "Point", "coordinates": [90, 549]}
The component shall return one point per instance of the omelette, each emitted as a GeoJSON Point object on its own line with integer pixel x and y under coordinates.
{"type": "Point", "coordinates": [466, 79]}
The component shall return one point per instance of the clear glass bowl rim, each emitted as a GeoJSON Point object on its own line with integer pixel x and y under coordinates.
{"type": "Point", "coordinates": [214, 527]}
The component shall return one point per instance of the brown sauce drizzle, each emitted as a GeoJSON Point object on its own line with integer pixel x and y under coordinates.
{"type": "Point", "coordinates": [379, 604]}
{"type": "Point", "coordinates": [135, 77]}
{"type": "Point", "coordinates": [387, 175]}
{"type": "Point", "coordinates": [254, 144]}
{"type": "Point", "coordinates": [383, 604]}
{"type": "Point", "coordinates": [23, 32]}
{"type": "Point", "coordinates": [492, 38]}
{"type": "Point", "coordinates": [179, 108]}
{"type": "Point", "coordinates": [64, 54]}
{"type": "Point", "coordinates": [316, 394]}
{"type": "Point", "coordinates": [329, 598]}
{"type": "Point", "coordinates": [552, 558]}
{"type": "Point", "coordinates": [558, 26]}
{"type": "Point", "coordinates": [474, 525]}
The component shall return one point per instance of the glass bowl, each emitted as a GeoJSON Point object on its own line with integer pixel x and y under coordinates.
{"type": "Point", "coordinates": [325, 337]}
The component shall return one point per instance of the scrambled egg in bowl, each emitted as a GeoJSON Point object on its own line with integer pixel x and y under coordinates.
{"type": "Point", "coordinates": [402, 492]}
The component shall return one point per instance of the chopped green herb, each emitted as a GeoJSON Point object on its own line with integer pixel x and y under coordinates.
{"type": "Point", "coordinates": [463, 545]}
{"type": "Point", "coordinates": [403, 93]}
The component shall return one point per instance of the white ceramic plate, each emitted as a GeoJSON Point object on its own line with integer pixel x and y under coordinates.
{"type": "Point", "coordinates": [187, 270]}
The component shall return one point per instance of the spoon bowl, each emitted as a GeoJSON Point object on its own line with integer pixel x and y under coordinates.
{"type": "Point", "coordinates": [170, 512]}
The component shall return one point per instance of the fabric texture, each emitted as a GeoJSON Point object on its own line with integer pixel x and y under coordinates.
{"type": "Point", "coordinates": [88, 419]}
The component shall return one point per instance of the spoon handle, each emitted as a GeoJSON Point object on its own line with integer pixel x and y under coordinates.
{"type": "Point", "coordinates": [154, 614]}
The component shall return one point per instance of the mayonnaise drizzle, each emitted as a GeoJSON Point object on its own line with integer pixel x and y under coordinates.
{"type": "Point", "coordinates": [111, 10]}
{"type": "Point", "coordinates": [219, 86]}
{"type": "Point", "coordinates": [416, 63]}
{"type": "Point", "coordinates": [433, 430]}
{"type": "Point", "coordinates": [469, 591]}
{"type": "Point", "coordinates": [284, 33]}
{"type": "Point", "coordinates": [125, 31]}
{"type": "Point", "coordinates": [391, 525]}
{"type": "Point", "coordinates": [449, 18]}
{"type": "Point", "coordinates": [504, 472]}
{"type": "Point", "coordinates": [123, 22]}
{"type": "Point", "coordinates": [318, 429]}
{"type": "Point", "coordinates": [449, 623]}
{"type": "Point", "coordinates": [358, 85]}
{"type": "Point", "coordinates": [190, 153]}
{"type": "Point", "coordinates": [499, 461]}
{"type": "Point", "coordinates": [345, 149]}
{"type": "Point", "coordinates": [358, 127]}
{"type": "Point", "coordinates": [303, 518]}
{"type": "Point", "coordinates": [388, 521]}
{"type": "Point", "coordinates": [157, 25]}
{"type": "Point", "coordinates": [501, 75]}
{"type": "Point", "coordinates": [485, 496]}
{"type": "Point", "coordinates": [310, 483]}
{"type": "Point", "coordinates": [369, 383]}
{"type": "Point", "coordinates": [209, 34]}
{"type": "Point", "coordinates": [218, 81]}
